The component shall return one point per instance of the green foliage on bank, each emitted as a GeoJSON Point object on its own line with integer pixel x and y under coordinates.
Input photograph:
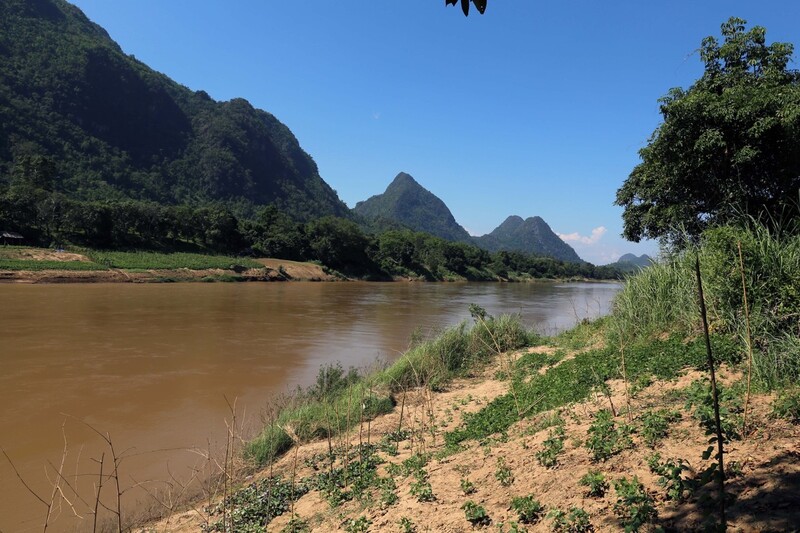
{"type": "Point", "coordinates": [154, 260]}
{"type": "Point", "coordinates": [339, 400]}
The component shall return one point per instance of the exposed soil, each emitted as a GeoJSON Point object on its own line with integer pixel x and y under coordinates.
{"type": "Point", "coordinates": [766, 465]}
{"type": "Point", "coordinates": [274, 270]}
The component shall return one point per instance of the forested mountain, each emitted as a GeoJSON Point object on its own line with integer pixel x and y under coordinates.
{"type": "Point", "coordinates": [531, 235]}
{"type": "Point", "coordinates": [408, 203]}
{"type": "Point", "coordinates": [630, 262]}
{"type": "Point", "coordinates": [107, 127]}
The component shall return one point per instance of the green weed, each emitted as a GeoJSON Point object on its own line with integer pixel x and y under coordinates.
{"type": "Point", "coordinates": [595, 482]}
{"type": "Point", "coordinates": [528, 509]}
{"type": "Point", "coordinates": [634, 506]}
{"type": "Point", "coordinates": [476, 514]}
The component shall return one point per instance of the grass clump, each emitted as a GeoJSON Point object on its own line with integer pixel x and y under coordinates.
{"type": "Point", "coordinates": [787, 405]}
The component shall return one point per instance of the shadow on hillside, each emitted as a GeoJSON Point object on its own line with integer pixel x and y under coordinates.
{"type": "Point", "coordinates": [765, 498]}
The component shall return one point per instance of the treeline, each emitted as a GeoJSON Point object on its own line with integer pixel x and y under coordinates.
{"type": "Point", "coordinates": [50, 218]}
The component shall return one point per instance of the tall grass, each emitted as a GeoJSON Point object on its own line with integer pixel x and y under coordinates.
{"type": "Point", "coordinates": [339, 401]}
{"type": "Point", "coordinates": [662, 298]}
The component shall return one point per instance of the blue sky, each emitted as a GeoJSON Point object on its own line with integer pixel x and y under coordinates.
{"type": "Point", "coordinates": [535, 108]}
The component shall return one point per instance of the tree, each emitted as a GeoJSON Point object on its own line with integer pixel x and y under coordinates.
{"type": "Point", "coordinates": [728, 147]}
{"type": "Point", "coordinates": [480, 5]}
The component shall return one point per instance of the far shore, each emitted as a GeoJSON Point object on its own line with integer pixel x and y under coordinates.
{"type": "Point", "coordinates": [27, 265]}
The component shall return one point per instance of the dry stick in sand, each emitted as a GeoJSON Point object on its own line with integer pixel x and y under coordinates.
{"type": "Point", "coordinates": [715, 396]}
{"type": "Point", "coordinates": [624, 373]}
{"type": "Point", "coordinates": [749, 342]}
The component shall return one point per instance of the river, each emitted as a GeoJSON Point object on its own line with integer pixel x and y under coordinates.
{"type": "Point", "coordinates": [156, 367]}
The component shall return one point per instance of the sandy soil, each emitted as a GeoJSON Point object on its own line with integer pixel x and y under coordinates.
{"type": "Point", "coordinates": [767, 487]}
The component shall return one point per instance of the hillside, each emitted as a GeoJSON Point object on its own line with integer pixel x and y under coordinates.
{"type": "Point", "coordinates": [532, 235]}
{"type": "Point", "coordinates": [408, 203]}
{"type": "Point", "coordinates": [632, 263]}
{"type": "Point", "coordinates": [111, 128]}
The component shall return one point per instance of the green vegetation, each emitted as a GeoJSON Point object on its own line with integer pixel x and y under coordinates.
{"type": "Point", "coordinates": [787, 405]}
{"type": "Point", "coordinates": [551, 448]}
{"type": "Point", "coordinates": [528, 509]}
{"type": "Point", "coordinates": [33, 265]}
{"type": "Point", "coordinates": [634, 506]}
{"type": "Point", "coordinates": [531, 235]}
{"type": "Point", "coordinates": [655, 425]}
{"type": "Point", "coordinates": [595, 482]}
{"type": "Point", "coordinates": [334, 403]}
{"type": "Point", "coordinates": [476, 514]}
{"type": "Point", "coordinates": [606, 439]}
{"type": "Point", "coordinates": [576, 521]}
{"type": "Point", "coordinates": [154, 260]}
{"type": "Point", "coordinates": [705, 165]}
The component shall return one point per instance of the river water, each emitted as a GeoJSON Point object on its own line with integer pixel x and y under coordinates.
{"type": "Point", "coordinates": [156, 368]}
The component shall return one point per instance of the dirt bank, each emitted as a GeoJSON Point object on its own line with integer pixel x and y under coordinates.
{"type": "Point", "coordinates": [274, 270]}
{"type": "Point", "coordinates": [764, 476]}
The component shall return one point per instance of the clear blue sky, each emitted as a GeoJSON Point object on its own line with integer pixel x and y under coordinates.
{"type": "Point", "coordinates": [535, 108]}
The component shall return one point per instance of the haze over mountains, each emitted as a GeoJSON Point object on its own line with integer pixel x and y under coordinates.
{"type": "Point", "coordinates": [408, 203]}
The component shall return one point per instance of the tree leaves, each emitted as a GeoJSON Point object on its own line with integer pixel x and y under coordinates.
{"type": "Point", "coordinates": [725, 149]}
{"type": "Point", "coordinates": [480, 5]}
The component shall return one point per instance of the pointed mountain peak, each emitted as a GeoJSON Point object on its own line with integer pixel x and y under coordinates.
{"type": "Point", "coordinates": [407, 202]}
{"type": "Point", "coordinates": [403, 179]}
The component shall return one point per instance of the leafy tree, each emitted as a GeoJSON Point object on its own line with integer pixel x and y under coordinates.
{"type": "Point", "coordinates": [728, 146]}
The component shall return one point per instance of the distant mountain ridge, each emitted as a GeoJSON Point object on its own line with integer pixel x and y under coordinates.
{"type": "Point", "coordinates": [531, 235]}
{"type": "Point", "coordinates": [116, 129]}
{"type": "Point", "coordinates": [408, 203]}
{"type": "Point", "coordinates": [630, 262]}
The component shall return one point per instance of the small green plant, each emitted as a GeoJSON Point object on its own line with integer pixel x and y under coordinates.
{"type": "Point", "coordinates": [503, 473]}
{"type": "Point", "coordinates": [357, 525]}
{"type": "Point", "coordinates": [576, 521]}
{"type": "Point", "coordinates": [787, 405]}
{"type": "Point", "coordinates": [528, 508]}
{"type": "Point", "coordinates": [388, 495]}
{"type": "Point", "coordinates": [476, 514]}
{"type": "Point", "coordinates": [552, 446]}
{"type": "Point", "coordinates": [634, 506]}
{"type": "Point", "coordinates": [406, 525]}
{"type": "Point", "coordinates": [698, 396]}
{"type": "Point", "coordinates": [655, 425]}
{"type": "Point", "coordinates": [421, 488]}
{"type": "Point", "coordinates": [467, 486]}
{"type": "Point", "coordinates": [605, 438]}
{"type": "Point", "coordinates": [596, 483]}
{"type": "Point", "coordinates": [678, 488]}
{"type": "Point", "coordinates": [296, 525]}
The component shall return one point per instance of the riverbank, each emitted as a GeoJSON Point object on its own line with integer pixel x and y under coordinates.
{"type": "Point", "coordinates": [42, 265]}
{"type": "Point", "coordinates": [20, 264]}
{"type": "Point", "coordinates": [602, 454]}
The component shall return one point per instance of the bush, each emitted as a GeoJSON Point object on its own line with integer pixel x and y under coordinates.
{"type": "Point", "coordinates": [528, 508]}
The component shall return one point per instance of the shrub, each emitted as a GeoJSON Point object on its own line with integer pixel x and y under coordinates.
{"type": "Point", "coordinates": [634, 506]}
{"type": "Point", "coordinates": [605, 438]}
{"type": "Point", "coordinates": [476, 514]}
{"type": "Point", "coordinates": [596, 483]}
{"type": "Point", "coordinates": [787, 405]}
{"type": "Point", "coordinates": [528, 508]}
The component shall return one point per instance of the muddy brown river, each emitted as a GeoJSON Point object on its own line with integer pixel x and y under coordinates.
{"type": "Point", "coordinates": [154, 368]}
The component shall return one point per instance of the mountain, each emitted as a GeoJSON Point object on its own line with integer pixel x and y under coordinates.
{"type": "Point", "coordinates": [532, 235]}
{"type": "Point", "coordinates": [407, 202]}
{"type": "Point", "coordinates": [630, 262]}
{"type": "Point", "coordinates": [116, 129]}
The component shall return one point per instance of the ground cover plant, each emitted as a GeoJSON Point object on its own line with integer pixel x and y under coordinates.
{"type": "Point", "coordinates": [34, 265]}
{"type": "Point", "coordinates": [170, 261]}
